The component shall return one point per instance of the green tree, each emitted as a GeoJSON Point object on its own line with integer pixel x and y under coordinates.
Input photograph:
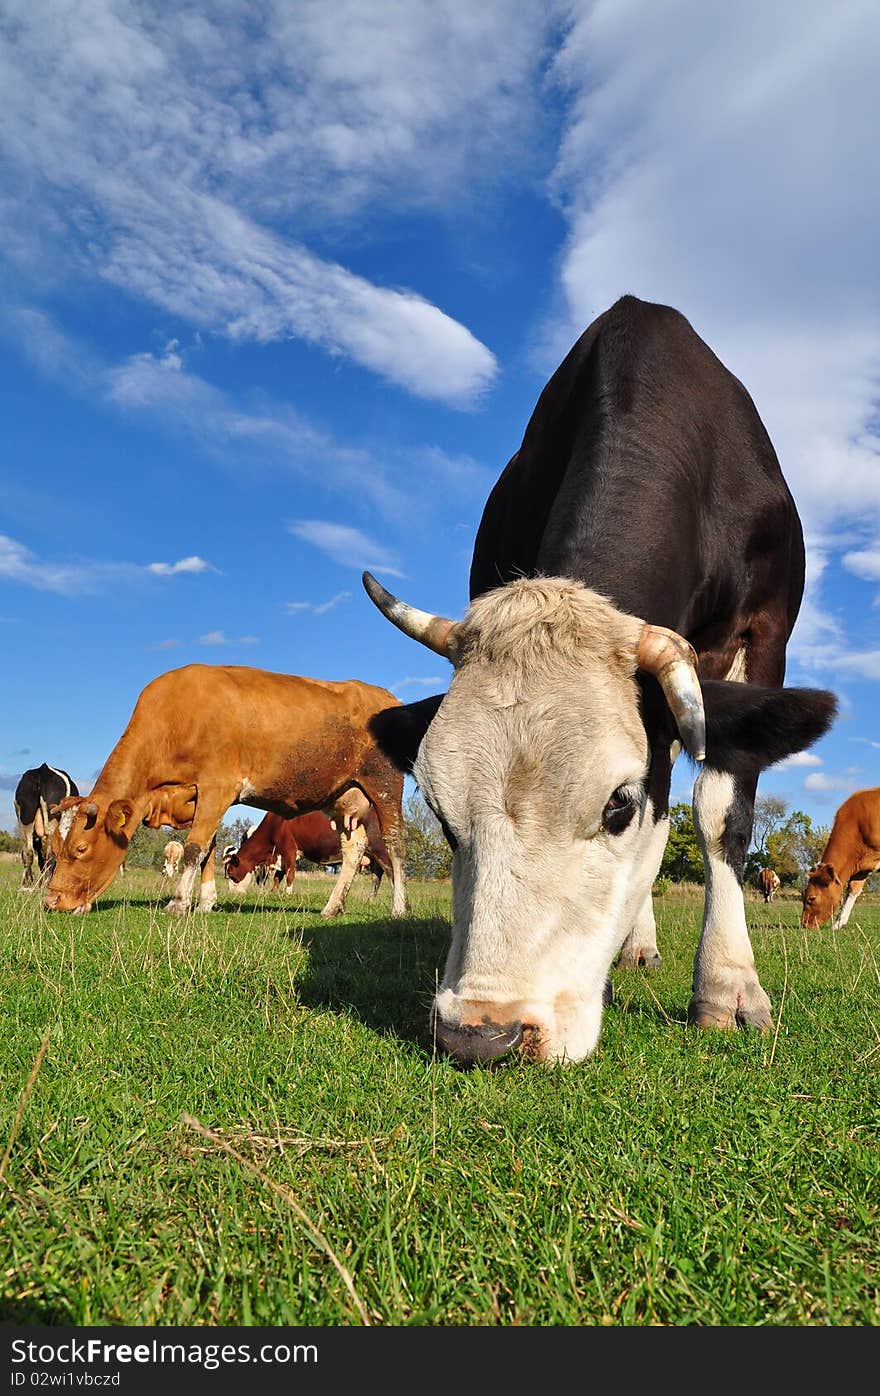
{"type": "Point", "coordinates": [9, 843]}
{"type": "Point", "coordinates": [795, 847]}
{"type": "Point", "coordinates": [428, 854]}
{"type": "Point", "coordinates": [682, 859]}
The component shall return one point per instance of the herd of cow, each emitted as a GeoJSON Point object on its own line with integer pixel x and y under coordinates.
{"type": "Point", "coordinates": [636, 575]}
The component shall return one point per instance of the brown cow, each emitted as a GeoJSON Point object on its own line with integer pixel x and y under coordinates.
{"type": "Point", "coordinates": [205, 737]}
{"type": "Point", "coordinates": [172, 855]}
{"type": "Point", "coordinates": [851, 854]}
{"type": "Point", "coordinates": [317, 838]}
{"type": "Point", "coordinates": [768, 884]}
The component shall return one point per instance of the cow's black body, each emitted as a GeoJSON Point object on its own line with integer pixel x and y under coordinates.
{"type": "Point", "coordinates": [646, 473]}
{"type": "Point", "coordinates": [37, 791]}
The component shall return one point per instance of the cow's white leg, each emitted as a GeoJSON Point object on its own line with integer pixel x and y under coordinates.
{"type": "Point", "coordinates": [640, 946]}
{"type": "Point", "coordinates": [354, 841]}
{"type": "Point", "coordinates": [208, 888]}
{"type": "Point", "coordinates": [726, 989]}
{"type": "Point", "coordinates": [856, 887]}
{"type": "Point", "coordinates": [182, 900]}
{"type": "Point", "coordinates": [26, 834]}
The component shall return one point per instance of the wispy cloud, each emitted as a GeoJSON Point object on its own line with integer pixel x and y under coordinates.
{"type": "Point", "coordinates": [270, 436]}
{"type": "Point", "coordinates": [347, 546]}
{"type": "Point", "coordinates": [800, 758]}
{"type": "Point", "coordinates": [819, 781]}
{"type": "Point", "coordinates": [186, 564]}
{"type": "Point", "coordinates": [683, 184]}
{"type": "Point", "coordinates": [164, 645]}
{"type": "Point", "coordinates": [219, 637]}
{"type": "Point", "coordinates": [154, 163]}
{"type": "Point", "coordinates": [19, 563]}
{"type": "Point", "coordinates": [433, 681]}
{"type": "Point", "coordinates": [317, 608]}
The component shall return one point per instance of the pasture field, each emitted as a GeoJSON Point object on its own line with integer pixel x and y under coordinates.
{"type": "Point", "coordinates": [238, 1119]}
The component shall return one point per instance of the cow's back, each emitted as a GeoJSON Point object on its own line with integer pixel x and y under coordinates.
{"type": "Point", "coordinates": [646, 473]}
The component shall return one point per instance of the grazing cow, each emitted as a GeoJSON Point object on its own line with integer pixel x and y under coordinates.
{"type": "Point", "coordinates": [315, 837]}
{"type": "Point", "coordinates": [851, 854]}
{"type": "Point", "coordinates": [205, 737]}
{"type": "Point", "coordinates": [172, 856]}
{"type": "Point", "coordinates": [636, 574]}
{"type": "Point", "coordinates": [768, 884]}
{"type": "Point", "coordinates": [37, 792]}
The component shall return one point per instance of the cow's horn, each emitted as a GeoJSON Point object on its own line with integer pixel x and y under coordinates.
{"type": "Point", "coordinates": [673, 663]}
{"type": "Point", "coordinates": [91, 813]}
{"type": "Point", "coordinates": [434, 631]}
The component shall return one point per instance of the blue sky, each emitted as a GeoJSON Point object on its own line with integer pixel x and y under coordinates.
{"type": "Point", "coordinates": [280, 284]}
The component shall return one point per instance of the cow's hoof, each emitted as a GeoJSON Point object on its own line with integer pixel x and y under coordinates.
{"type": "Point", "coordinates": [640, 959]}
{"type": "Point", "coordinates": [703, 1014]}
{"type": "Point", "coordinates": [332, 910]}
{"type": "Point", "coordinates": [175, 908]}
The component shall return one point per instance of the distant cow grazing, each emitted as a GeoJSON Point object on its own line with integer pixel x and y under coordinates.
{"type": "Point", "coordinates": [317, 838]}
{"type": "Point", "coordinates": [768, 883]}
{"type": "Point", "coordinates": [636, 574]}
{"type": "Point", "coordinates": [37, 792]}
{"type": "Point", "coordinates": [172, 855]}
{"type": "Point", "coordinates": [849, 857]}
{"type": "Point", "coordinates": [206, 737]}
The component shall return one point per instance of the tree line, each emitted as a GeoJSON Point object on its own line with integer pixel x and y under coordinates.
{"type": "Point", "coordinates": [784, 840]}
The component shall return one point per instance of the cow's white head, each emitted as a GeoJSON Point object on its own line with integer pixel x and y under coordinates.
{"type": "Point", "coordinates": [536, 765]}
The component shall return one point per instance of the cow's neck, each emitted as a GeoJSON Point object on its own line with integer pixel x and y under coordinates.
{"type": "Point", "coordinates": [125, 776]}
{"type": "Point", "coordinates": [846, 856]}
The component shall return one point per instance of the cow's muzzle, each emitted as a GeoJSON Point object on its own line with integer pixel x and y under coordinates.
{"type": "Point", "coordinates": [472, 1044]}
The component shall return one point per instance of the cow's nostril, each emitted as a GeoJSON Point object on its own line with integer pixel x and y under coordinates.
{"type": "Point", "coordinates": [481, 1042]}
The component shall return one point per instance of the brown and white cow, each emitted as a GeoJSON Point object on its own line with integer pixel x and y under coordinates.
{"type": "Point", "coordinates": [205, 737]}
{"type": "Point", "coordinates": [637, 571]}
{"type": "Point", "coordinates": [768, 884]}
{"type": "Point", "coordinates": [317, 838]}
{"type": "Point", "coordinates": [849, 857]}
{"type": "Point", "coordinates": [172, 854]}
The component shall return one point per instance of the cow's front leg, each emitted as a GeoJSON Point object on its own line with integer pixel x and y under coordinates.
{"type": "Point", "coordinates": [726, 989]}
{"type": "Point", "coordinates": [181, 902]}
{"type": "Point", "coordinates": [354, 843]}
{"type": "Point", "coordinates": [208, 888]}
{"type": "Point", "coordinates": [854, 891]}
{"type": "Point", "coordinates": [640, 946]}
{"type": "Point", "coordinates": [27, 858]}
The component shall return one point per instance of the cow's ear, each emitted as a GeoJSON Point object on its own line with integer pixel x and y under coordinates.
{"type": "Point", "coordinates": [120, 820]}
{"type": "Point", "coordinates": [749, 727]}
{"type": "Point", "coordinates": [398, 732]}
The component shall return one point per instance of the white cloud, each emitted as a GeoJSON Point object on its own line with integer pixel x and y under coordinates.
{"type": "Point", "coordinates": [189, 156]}
{"type": "Point", "coordinates": [820, 781]}
{"type": "Point", "coordinates": [347, 546]}
{"type": "Point", "coordinates": [714, 159]}
{"type": "Point", "coordinates": [219, 637]}
{"type": "Point", "coordinates": [800, 758]}
{"type": "Point", "coordinates": [186, 564]}
{"type": "Point", "coordinates": [863, 563]}
{"type": "Point", "coordinates": [19, 564]}
{"type": "Point", "coordinates": [319, 608]}
{"type": "Point", "coordinates": [433, 681]}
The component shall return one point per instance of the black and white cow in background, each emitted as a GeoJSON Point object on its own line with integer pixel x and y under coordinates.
{"type": "Point", "coordinates": [636, 575]}
{"type": "Point", "coordinates": [37, 791]}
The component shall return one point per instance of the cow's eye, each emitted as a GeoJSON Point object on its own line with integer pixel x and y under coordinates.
{"type": "Point", "coordinates": [80, 849]}
{"type": "Point", "coordinates": [619, 810]}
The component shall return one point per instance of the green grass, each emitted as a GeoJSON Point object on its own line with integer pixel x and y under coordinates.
{"type": "Point", "coordinates": [675, 1178]}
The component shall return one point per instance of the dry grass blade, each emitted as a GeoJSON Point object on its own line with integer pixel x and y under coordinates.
{"type": "Point", "coordinates": [286, 1196]}
{"type": "Point", "coordinates": [29, 1085]}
